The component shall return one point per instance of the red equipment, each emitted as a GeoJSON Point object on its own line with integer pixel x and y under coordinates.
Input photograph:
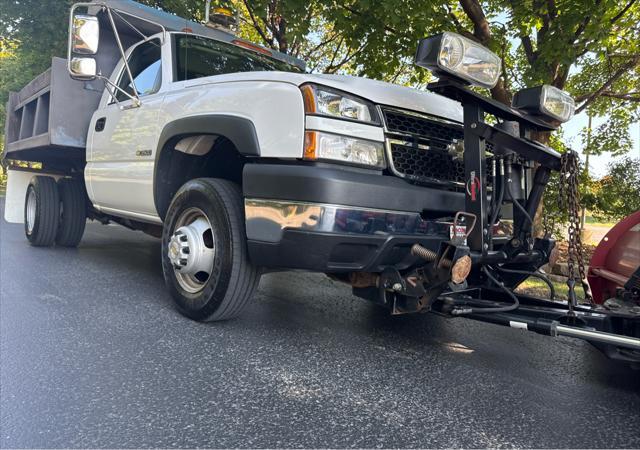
{"type": "Point", "coordinates": [616, 259]}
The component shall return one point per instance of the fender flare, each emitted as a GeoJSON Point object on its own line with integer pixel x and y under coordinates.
{"type": "Point", "coordinates": [239, 130]}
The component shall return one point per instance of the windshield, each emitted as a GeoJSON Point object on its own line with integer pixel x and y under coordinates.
{"type": "Point", "coordinates": [197, 56]}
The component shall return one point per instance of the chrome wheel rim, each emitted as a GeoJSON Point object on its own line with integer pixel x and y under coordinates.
{"type": "Point", "coordinates": [31, 211]}
{"type": "Point", "coordinates": [191, 250]}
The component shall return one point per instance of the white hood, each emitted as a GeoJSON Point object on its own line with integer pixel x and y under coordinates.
{"type": "Point", "coordinates": [378, 92]}
{"type": "Point", "coordinates": [392, 95]}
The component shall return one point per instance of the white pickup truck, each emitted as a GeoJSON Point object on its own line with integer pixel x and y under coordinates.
{"type": "Point", "coordinates": [242, 162]}
{"type": "Point", "coordinates": [239, 159]}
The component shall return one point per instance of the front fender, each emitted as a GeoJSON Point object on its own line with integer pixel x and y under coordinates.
{"type": "Point", "coordinates": [239, 130]}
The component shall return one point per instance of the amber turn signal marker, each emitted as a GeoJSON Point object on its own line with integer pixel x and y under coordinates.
{"type": "Point", "coordinates": [310, 144]}
{"type": "Point", "coordinates": [309, 99]}
{"type": "Point", "coordinates": [250, 46]}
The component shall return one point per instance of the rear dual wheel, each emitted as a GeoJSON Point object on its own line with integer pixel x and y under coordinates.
{"type": "Point", "coordinates": [54, 212]}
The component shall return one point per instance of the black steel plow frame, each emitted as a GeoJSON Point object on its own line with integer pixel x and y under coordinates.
{"type": "Point", "coordinates": [610, 330]}
{"type": "Point", "coordinates": [615, 332]}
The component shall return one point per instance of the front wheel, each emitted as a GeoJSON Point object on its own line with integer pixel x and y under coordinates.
{"type": "Point", "coordinates": [204, 252]}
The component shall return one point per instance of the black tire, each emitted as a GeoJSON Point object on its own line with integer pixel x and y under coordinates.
{"type": "Point", "coordinates": [233, 279]}
{"type": "Point", "coordinates": [41, 211]}
{"type": "Point", "coordinates": [73, 212]}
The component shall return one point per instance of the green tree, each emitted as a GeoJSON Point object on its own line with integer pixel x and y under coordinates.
{"type": "Point", "coordinates": [617, 194]}
{"type": "Point", "coordinates": [29, 37]}
{"type": "Point", "coordinates": [589, 47]}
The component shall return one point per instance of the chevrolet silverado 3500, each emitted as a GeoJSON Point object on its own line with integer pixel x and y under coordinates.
{"type": "Point", "coordinates": [242, 163]}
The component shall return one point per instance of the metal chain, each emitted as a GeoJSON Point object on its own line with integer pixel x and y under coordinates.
{"type": "Point", "coordinates": [569, 198]}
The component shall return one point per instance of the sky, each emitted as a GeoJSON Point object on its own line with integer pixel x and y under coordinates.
{"type": "Point", "coordinates": [597, 164]}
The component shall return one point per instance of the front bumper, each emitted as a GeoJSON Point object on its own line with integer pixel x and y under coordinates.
{"type": "Point", "coordinates": [339, 220]}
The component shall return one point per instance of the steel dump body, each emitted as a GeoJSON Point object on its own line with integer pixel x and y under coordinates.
{"type": "Point", "coordinates": [47, 121]}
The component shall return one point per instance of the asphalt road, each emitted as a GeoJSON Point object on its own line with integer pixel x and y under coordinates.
{"type": "Point", "coordinates": [94, 355]}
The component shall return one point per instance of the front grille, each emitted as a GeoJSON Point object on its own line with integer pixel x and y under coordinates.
{"type": "Point", "coordinates": [427, 165]}
{"type": "Point", "coordinates": [419, 148]}
{"type": "Point", "coordinates": [433, 130]}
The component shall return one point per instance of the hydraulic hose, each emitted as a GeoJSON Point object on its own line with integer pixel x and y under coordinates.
{"type": "Point", "coordinates": [552, 290]}
{"type": "Point", "coordinates": [500, 309]}
{"type": "Point", "coordinates": [496, 207]}
{"type": "Point", "coordinates": [496, 204]}
{"type": "Point", "coordinates": [518, 205]}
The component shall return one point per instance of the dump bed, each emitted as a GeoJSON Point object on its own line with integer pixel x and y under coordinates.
{"type": "Point", "coordinates": [48, 119]}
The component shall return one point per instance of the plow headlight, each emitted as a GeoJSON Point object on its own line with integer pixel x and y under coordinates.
{"type": "Point", "coordinates": [545, 100]}
{"type": "Point", "coordinates": [454, 55]}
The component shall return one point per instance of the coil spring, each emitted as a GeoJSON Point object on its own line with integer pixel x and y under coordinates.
{"type": "Point", "coordinates": [424, 253]}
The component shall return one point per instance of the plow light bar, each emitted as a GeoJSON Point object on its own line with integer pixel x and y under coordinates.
{"type": "Point", "coordinates": [545, 100]}
{"type": "Point", "coordinates": [449, 54]}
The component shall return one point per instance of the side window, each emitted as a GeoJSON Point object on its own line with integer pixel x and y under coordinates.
{"type": "Point", "coordinates": [145, 66]}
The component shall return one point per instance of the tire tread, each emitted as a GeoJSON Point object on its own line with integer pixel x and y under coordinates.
{"type": "Point", "coordinates": [47, 211]}
{"type": "Point", "coordinates": [74, 215]}
{"type": "Point", "coordinates": [246, 277]}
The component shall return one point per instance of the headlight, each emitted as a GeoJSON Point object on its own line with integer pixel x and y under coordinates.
{"type": "Point", "coordinates": [329, 102]}
{"type": "Point", "coordinates": [547, 101]}
{"type": "Point", "coordinates": [327, 146]}
{"type": "Point", "coordinates": [452, 54]}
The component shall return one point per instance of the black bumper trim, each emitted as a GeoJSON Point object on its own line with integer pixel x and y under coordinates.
{"type": "Point", "coordinates": [341, 186]}
{"type": "Point", "coordinates": [330, 252]}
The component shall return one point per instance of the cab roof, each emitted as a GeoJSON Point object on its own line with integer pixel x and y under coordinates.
{"type": "Point", "coordinates": [150, 21]}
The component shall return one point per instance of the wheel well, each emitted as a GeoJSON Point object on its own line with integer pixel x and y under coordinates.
{"type": "Point", "coordinates": [175, 167]}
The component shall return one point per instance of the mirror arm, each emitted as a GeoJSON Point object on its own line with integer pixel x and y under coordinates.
{"type": "Point", "coordinates": [107, 86]}
{"type": "Point", "coordinates": [124, 57]}
{"type": "Point", "coordinates": [108, 83]}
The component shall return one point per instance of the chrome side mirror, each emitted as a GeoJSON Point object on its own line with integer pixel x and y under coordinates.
{"type": "Point", "coordinates": [85, 34]}
{"type": "Point", "coordinates": [84, 37]}
{"type": "Point", "coordinates": [83, 68]}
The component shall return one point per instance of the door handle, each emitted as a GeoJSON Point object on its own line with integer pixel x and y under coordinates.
{"type": "Point", "coordinates": [100, 123]}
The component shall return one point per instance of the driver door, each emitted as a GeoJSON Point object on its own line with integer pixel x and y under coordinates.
{"type": "Point", "coordinates": [124, 137]}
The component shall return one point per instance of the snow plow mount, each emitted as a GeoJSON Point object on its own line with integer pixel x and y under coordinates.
{"type": "Point", "coordinates": [610, 330]}
{"type": "Point", "coordinates": [488, 294]}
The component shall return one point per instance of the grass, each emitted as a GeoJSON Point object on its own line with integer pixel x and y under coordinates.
{"type": "Point", "coordinates": [538, 288]}
{"type": "Point", "coordinates": [597, 222]}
